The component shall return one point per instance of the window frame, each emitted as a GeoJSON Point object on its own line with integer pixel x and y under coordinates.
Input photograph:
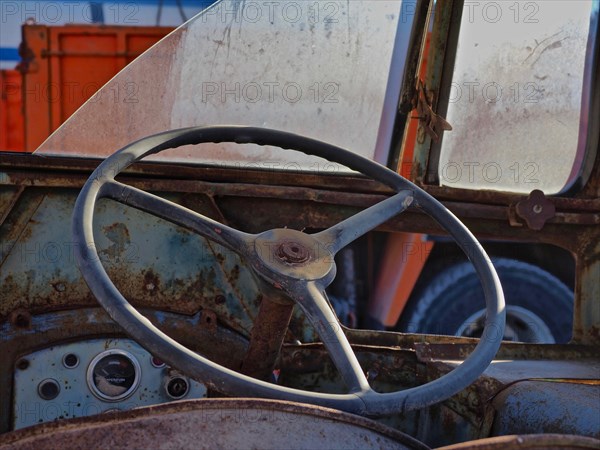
{"type": "Point", "coordinates": [446, 31]}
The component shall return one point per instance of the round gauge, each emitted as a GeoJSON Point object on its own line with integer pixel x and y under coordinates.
{"type": "Point", "coordinates": [113, 375]}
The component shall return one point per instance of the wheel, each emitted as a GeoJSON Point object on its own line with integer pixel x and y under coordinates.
{"type": "Point", "coordinates": [539, 307]}
{"type": "Point", "coordinates": [291, 266]}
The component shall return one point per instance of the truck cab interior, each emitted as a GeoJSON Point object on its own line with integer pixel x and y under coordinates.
{"type": "Point", "coordinates": [229, 245]}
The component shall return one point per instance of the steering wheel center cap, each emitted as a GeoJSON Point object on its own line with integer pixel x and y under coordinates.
{"type": "Point", "coordinates": [294, 254]}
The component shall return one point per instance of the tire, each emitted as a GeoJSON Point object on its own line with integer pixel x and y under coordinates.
{"type": "Point", "coordinates": [451, 302]}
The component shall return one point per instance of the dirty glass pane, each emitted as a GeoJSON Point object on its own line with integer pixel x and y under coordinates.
{"type": "Point", "coordinates": [516, 97]}
{"type": "Point", "coordinates": [313, 68]}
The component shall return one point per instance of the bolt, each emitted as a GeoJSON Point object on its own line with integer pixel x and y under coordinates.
{"type": "Point", "coordinates": [22, 364]}
{"type": "Point", "coordinates": [292, 252]}
{"type": "Point", "coordinates": [59, 287]}
{"type": "Point", "coordinates": [298, 358]}
{"type": "Point", "coordinates": [20, 319]}
{"type": "Point", "coordinates": [372, 374]}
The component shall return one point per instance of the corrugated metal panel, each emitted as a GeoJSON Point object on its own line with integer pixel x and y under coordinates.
{"type": "Point", "coordinates": [11, 115]}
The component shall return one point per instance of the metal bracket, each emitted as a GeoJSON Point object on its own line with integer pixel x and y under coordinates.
{"type": "Point", "coordinates": [432, 123]}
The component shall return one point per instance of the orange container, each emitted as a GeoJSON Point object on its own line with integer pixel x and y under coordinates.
{"type": "Point", "coordinates": [11, 114]}
{"type": "Point", "coordinates": [63, 66]}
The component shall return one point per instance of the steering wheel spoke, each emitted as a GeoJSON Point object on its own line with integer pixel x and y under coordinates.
{"type": "Point", "coordinates": [318, 311]}
{"type": "Point", "coordinates": [345, 232]}
{"type": "Point", "coordinates": [228, 237]}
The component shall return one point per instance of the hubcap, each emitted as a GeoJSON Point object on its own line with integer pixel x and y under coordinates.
{"type": "Point", "coordinates": [522, 325]}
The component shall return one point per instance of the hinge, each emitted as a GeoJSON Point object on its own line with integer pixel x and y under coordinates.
{"type": "Point", "coordinates": [432, 123]}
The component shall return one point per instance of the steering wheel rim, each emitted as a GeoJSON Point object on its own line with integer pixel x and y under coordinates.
{"type": "Point", "coordinates": [361, 399]}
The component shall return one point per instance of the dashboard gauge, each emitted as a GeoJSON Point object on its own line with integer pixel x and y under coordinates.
{"type": "Point", "coordinates": [113, 375]}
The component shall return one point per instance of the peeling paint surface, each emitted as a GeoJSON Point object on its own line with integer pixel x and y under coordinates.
{"type": "Point", "coordinates": [151, 261]}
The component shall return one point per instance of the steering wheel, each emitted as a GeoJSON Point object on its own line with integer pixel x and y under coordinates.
{"type": "Point", "coordinates": [292, 265]}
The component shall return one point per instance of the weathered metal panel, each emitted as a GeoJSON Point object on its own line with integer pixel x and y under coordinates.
{"type": "Point", "coordinates": [154, 263]}
{"type": "Point", "coordinates": [530, 407]}
{"type": "Point", "coordinates": [23, 333]}
{"type": "Point", "coordinates": [587, 290]}
{"type": "Point", "coordinates": [223, 423]}
{"type": "Point", "coordinates": [74, 398]}
{"type": "Point", "coordinates": [529, 442]}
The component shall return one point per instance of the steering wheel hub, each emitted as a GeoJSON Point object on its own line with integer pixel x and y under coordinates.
{"type": "Point", "coordinates": [294, 255]}
{"type": "Point", "coordinates": [292, 252]}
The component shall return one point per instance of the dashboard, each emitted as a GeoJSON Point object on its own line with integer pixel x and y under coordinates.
{"type": "Point", "coordinates": [91, 377]}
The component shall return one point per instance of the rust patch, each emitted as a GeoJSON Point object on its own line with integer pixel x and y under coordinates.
{"type": "Point", "coordinates": [208, 320]}
{"type": "Point", "coordinates": [59, 286]}
{"type": "Point", "coordinates": [27, 233]}
{"type": "Point", "coordinates": [151, 283]}
{"type": "Point", "coordinates": [20, 318]}
{"type": "Point", "coordinates": [118, 234]}
{"type": "Point", "coordinates": [235, 274]}
{"type": "Point", "coordinates": [266, 338]}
